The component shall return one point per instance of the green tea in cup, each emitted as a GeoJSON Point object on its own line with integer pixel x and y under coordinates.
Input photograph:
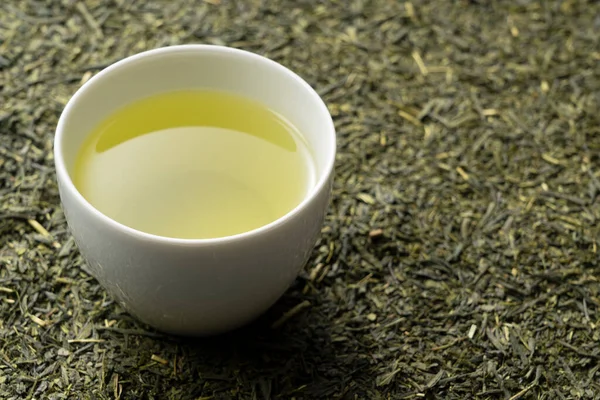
{"type": "Point", "coordinates": [195, 180]}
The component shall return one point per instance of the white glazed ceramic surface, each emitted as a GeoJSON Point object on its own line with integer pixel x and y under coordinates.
{"type": "Point", "coordinates": [196, 287]}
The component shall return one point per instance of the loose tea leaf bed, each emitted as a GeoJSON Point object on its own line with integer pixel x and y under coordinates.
{"type": "Point", "coordinates": [459, 258]}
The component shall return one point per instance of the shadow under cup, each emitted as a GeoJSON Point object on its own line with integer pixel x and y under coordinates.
{"type": "Point", "coordinates": [184, 286]}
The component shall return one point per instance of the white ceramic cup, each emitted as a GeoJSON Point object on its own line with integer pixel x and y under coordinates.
{"type": "Point", "coordinates": [205, 286]}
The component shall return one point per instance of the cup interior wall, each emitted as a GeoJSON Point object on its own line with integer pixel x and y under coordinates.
{"type": "Point", "coordinates": [230, 70]}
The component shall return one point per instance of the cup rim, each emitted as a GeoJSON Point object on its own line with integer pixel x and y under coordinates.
{"type": "Point", "coordinates": [67, 182]}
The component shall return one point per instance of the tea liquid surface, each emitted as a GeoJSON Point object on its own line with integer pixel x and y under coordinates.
{"type": "Point", "coordinates": [194, 164]}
